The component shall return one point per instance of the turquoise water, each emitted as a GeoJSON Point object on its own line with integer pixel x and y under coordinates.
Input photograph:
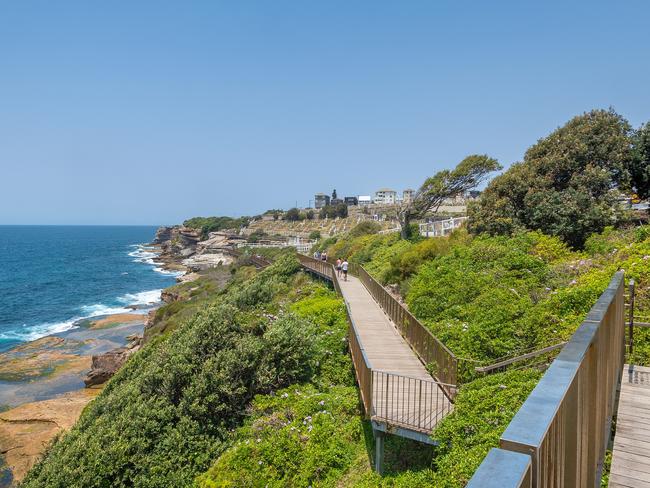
{"type": "Point", "coordinates": [53, 276]}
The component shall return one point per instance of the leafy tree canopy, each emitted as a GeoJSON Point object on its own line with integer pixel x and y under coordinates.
{"type": "Point", "coordinates": [564, 185]}
{"type": "Point", "coordinates": [214, 224]}
{"type": "Point", "coordinates": [333, 211]}
{"type": "Point", "coordinates": [445, 184]}
{"type": "Point", "coordinates": [292, 215]}
{"type": "Point", "coordinates": [640, 167]}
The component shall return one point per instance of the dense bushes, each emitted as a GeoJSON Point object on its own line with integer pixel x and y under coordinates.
{"type": "Point", "coordinates": [213, 224]}
{"type": "Point", "coordinates": [564, 185]}
{"type": "Point", "coordinates": [489, 297]}
{"type": "Point", "coordinates": [257, 388]}
{"type": "Point", "coordinates": [308, 433]}
{"type": "Point", "coordinates": [167, 414]}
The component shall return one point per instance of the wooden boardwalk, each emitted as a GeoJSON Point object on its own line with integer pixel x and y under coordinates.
{"type": "Point", "coordinates": [631, 452]}
{"type": "Point", "coordinates": [404, 393]}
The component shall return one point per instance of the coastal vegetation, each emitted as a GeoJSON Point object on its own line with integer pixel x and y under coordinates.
{"type": "Point", "coordinates": [567, 183]}
{"type": "Point", "coordinates": [214, 224]}
{"type": "Point", "coordinates": [445, 184]}
{"type": "Point", "coordinates": [246, 378]}
{"type": "Point", "coordinates": [169, 412]}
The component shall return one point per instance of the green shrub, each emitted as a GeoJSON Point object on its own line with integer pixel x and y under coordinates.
{"type": "Point", "coordinates": [642, 233]}
{"type": "Point", "coordinates": [366, 227]}
{"type": "Point", "coordinates": [167, 414]}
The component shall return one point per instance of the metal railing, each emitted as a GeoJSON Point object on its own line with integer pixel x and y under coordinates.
{"type": "Point", "coordinates": [638, 317]}
{"type": "Point", "coordinates": [412, 403]}
{"type": "Point", "coordinates": [503, 469]}
{"type": "Point", "coordinates": [529, 359]}
{"type": "Point", "coordinates": [564, 424]}
{"type": "Point", "coordinates": [257, 260]}
{"type": "Point", "coordinates": [362, 368]}
{"type": "Point", "coordinates": [443, 363]}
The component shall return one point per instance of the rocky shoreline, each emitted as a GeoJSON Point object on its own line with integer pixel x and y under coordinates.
{"type": "Point", "coordinates": [45, 384]}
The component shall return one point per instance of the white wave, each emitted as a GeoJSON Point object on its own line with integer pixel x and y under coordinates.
{"type": "Point", "coordinates": [31, 333]}
{"type": "Point", "coordinates": [142, 298]}
{"type": "Point", "coordinates": [143, 254]}
{"type": "Point", "coordinates": [98, 309]}
{"type": "Point", "coordinates": [168, 272]}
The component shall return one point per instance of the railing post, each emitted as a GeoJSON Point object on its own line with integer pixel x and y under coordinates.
{"type": "Point", "coordinates": [564, 424]}
{"type": "Point", "coordinates": [631, 315]}
{"type": "Point", "coordinates": [379, 452]}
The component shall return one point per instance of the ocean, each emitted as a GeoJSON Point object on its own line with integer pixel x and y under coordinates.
{"type": "Point", "coordinates": [53, 276]}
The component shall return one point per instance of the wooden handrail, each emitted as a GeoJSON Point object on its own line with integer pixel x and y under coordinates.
{"type": "Point", "coordinates": [419, 408]}
{"type": "Point", "coordinates": [564, 424]}
{"type": "Point", "coordinates": [507, 362]}
{"type": "Point", "coordinates": [428, 347]}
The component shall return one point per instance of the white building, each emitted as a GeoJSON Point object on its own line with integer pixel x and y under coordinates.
{"type": "Point", "coordinates": [364, 200]}
{"type": "Point", "coordinates": [385, 196]}
{"type": "Point", "coordinates": [408, 195]}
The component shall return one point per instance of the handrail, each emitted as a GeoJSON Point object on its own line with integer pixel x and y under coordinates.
{"type": "Point", "coordinates": [564, 424]}
{"type": "Point", "coordinates": [421, 403]}
{"type": "Point", "coordinates": [415, 403]}
{"type": "Point", "coordinates": [427, 346]}
{"type": "Point", "coordinates": [502, 469]}
{"type": "Point", "coordinates": [362, 367]}
{"type": "Point", "coordinates": [507, 362]}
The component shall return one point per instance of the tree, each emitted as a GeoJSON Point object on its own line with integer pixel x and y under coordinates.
{"type": "Point", "coordinates": [640, 167]}
{"type": "Point", "coordinates": [310, 214]}
{"type": "Point", "coordinates": [565, 186]}
{"type": "Point", "coordinates": [292, 215]}
{"type": "Point", "coordinates": [469, 173]}
{"type": "Point", "coordinates": [334, 194]}
{"type": "Point", "coordinates": [333, 211]}
{"type": "Point", "coordinates": [314, 235]}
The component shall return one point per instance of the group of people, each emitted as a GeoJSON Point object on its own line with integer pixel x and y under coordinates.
{"type": "Point", "coordinates": [342, 265]}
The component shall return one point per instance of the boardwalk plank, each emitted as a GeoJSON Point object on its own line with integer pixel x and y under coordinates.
{"type": "Point", "coordinates": [387, 351]}
{"type": "Point", "coordinates": [631, 450]}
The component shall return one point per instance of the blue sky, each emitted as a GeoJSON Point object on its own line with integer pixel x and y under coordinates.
{"type": "Point", "coordinates": [152, 112]}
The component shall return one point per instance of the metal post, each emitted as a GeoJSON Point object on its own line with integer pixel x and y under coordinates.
{"type": "Point", "coordinates": [631, 289]}
{"type": "Point", "coordinates": [379, 452]}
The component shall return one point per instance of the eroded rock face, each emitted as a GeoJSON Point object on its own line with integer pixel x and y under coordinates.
{"type": "Point", "coordinates": [104, 366]}
{"type": "Point", "coordinates": [177, 241]}
{"type": "Point", "coordinates": [163, 234]}
{"type": "Point", "coordinates": [169, 296]}
{"type": "Point", "coordinates": [26, 430]}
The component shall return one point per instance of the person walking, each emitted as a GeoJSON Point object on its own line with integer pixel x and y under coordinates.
{"type": "Point", "coordinates": [344, 268]}
{"type": "Point", "coordinates": [324, 256]}
{"type": "Point", "coordinates": [338, 267]}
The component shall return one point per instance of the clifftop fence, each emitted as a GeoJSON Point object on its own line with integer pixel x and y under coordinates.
{"type": "Point", "coordinates": [411, 403]}
{"type": "Point", "coordinates": [564, 425]}
{"type": "Point", "coordinates": [428, 347]}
